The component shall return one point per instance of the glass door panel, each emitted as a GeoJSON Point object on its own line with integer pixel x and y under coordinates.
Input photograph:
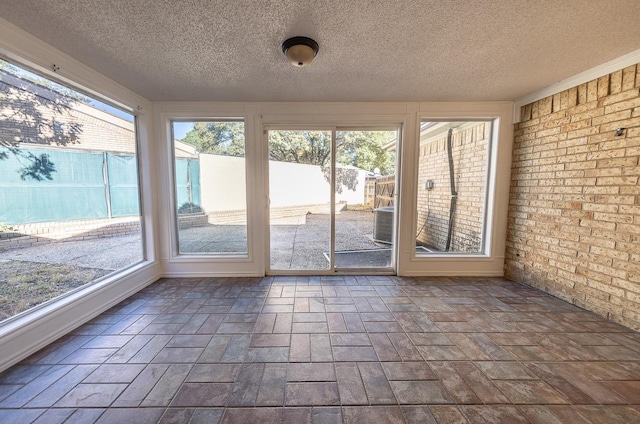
{"type": "Point", "coordinates": [299, 200]}
{"type": "Point", "coordinates": [364, 194]}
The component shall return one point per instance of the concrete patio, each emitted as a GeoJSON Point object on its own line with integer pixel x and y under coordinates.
{"type": "Point", "coordinates": [298, 242]}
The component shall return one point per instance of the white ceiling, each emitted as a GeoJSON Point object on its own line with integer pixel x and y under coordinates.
{"type": "Point", "coordinates": [370, 50]}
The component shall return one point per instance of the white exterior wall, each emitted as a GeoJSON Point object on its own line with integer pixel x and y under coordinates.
{"type": "Point", "coordinates": [223, 184]}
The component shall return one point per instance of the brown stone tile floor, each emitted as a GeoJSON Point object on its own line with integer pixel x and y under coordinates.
{"type": "Point", "coordinates": [333, 350]}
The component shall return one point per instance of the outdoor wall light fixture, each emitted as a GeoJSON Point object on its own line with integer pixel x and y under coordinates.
{"type": "Point", "coordinates": [300, 50]}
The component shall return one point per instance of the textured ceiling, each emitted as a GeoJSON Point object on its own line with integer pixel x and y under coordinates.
{"type": "Point", "coordinates": [370, 50]}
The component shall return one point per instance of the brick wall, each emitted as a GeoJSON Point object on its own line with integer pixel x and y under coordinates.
{"type": "Point", "coordinates": [27, 235]}
{"type": "Point", "coordinates": [35, 115]}
{"type": "Point", "coordinates": [574, 211]}
{"type": "Point", "coordinates": [469, 147]}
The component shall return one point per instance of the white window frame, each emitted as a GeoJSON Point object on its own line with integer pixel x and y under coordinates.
{"type": "Point", "coordinates": [177, 264]}
{"type": "Point", "coordinates": [491, 261]}
{"type": "Point", "coordinates": [175, 249]}
{"type": "Point", "coordinates": [30, 332]}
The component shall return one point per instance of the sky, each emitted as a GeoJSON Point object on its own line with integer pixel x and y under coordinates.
{"type": "Point", "coordinates": [111, 110]}
{"type": "Point", "coordinates": [180, 129]}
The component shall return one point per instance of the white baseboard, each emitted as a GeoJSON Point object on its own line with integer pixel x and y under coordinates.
{"type": "Point", "coordinates": [209, 274]}
{"type": "Point", "coordinates": [453, 274]}
{"type": "Point", "coordinates": [24, 336]}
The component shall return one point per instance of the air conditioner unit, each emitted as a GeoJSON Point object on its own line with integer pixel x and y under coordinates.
{"type": "Point", "coordinates": [383, 224]}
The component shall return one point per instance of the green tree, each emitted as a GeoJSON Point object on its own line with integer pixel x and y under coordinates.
{"type": "Point", "coordinates": [310, 147]}
{"type": "Point", "coordinates": [366, 150]}
{"type": "Point", "coordinates": [217, 138]}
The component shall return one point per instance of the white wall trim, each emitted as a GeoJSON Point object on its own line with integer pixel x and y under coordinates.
{"type": "Point", "coordinates": [496, 204]}
{"type": "Point", "coordinates": [464, 265]}
{"type": "Point", "coordinates": [450, 273]}
{"type": "Point", "coordinates": [26, 335]}
{"type": "Point", "coordinates": [581, 78]}
{"type": "Point", "coordinates": [210, 274]}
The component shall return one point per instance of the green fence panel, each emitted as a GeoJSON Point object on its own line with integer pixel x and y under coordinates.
{"type": "Point", "coordinates": [182, 196]}
{"type": "Point", "coordinates": [77, 186]}
{"type": "Point", "coordinates": [75, 189]}
{"type": "Point", "coordinates": [123, 185]}
{"type": "Point", "coordinates": [194, 167]}
{"type": "Point", "coordinates": [188, 185]}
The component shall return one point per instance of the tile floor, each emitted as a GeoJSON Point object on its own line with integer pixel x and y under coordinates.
{"type": "Point", "coordinates": [333, 350]}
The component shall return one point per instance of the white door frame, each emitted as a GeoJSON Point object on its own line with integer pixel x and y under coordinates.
{"type": "Point", "coordinates": [332, 270]}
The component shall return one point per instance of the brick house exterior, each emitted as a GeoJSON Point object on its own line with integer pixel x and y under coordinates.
{"type": "Point", "coordinates": [33, 115]}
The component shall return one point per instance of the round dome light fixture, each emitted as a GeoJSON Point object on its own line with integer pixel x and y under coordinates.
{"type": "Point", "coordinates": [300, 50]}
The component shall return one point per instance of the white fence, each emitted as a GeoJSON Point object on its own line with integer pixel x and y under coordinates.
{"type": "Point", "coordinates": [223, 184]}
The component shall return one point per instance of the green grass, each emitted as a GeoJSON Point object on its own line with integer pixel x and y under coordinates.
{"type": "Point", "coordinates": [24, 285]}
{"type": "Point", "coordinates": [359, 207]}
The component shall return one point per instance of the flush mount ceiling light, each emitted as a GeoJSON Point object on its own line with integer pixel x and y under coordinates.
{"type": "Point", "coordinates": [300, 50]}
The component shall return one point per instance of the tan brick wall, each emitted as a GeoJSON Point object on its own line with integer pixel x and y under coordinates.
{"type": "Point", "coordinates": [469, 147]}
{"type": "Point", "coordinates": [574, 210]}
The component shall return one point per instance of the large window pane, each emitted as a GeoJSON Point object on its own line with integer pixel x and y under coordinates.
{"type": "Point", "coordinates": [69, 195]}
{"type": "Point", "coordinates": [452, 180]}
{"type": "Point", "coordinates": [210, 187]}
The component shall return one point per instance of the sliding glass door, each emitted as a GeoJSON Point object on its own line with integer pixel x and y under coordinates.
{"type": "Point", "coordinates": [332, 200]}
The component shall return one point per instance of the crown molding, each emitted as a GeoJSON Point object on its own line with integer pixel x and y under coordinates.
{"type": "Point", "coordinates": [581, 78]}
